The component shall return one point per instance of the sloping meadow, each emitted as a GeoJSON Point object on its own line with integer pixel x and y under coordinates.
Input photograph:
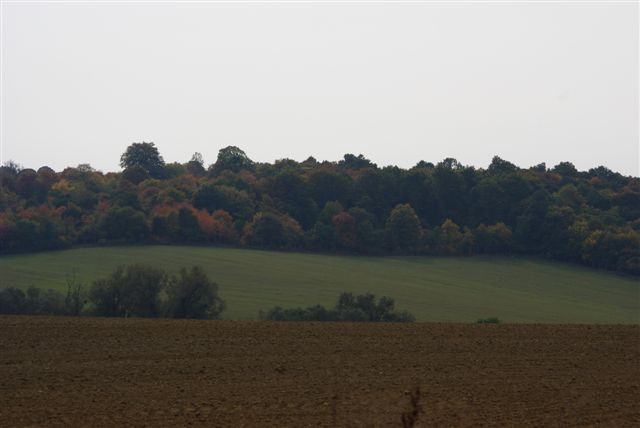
{"type": "Point", "coordinates": [435, 289]}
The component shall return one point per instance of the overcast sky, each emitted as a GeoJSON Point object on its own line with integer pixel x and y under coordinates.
{"type": "Point", "coordinates": [399, 83]}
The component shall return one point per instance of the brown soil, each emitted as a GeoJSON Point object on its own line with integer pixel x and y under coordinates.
{"type": "Point", "coordinates": [87, 371]}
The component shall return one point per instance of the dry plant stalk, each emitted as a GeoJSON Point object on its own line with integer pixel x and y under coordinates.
{"type": "Point", "coordinates": [410, 417]}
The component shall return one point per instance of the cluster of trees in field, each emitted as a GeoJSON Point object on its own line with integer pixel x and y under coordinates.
{"type": "Point", "coordinates": [353, 205]}
{"type": "Point", "coordinates": [145, 291]}
{"type": "Point", "coordinates": [35, 301]}
{"type": "Point", "coordinates": [129, 291]}
{"type": "Point", "coordinates": [361, 308]}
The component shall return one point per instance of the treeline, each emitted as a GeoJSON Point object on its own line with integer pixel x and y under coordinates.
{"type": "Point", "coordinates": [130, 291]}
{"type": "Point", "coordinates": [447, 208]}
{"type": "Point", "coordinates": [361, 308]}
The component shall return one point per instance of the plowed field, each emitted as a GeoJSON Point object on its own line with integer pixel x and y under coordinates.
{"type": "Point", "coordinates": [88, 372]}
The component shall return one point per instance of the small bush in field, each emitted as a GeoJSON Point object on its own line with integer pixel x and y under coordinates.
{"type": "Point", "coordinates": [491, 320]}
{"type": "Point", "coordinates": [362, 308]}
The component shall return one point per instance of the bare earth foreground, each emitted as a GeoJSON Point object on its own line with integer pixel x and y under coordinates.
{"type": "Point", "coordinates": [88, 371]}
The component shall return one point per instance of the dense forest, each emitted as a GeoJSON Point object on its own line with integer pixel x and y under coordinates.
{"type": "Point", "coordinates": [351, 205]}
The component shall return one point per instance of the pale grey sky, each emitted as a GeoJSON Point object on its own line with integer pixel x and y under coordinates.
{"type": "Point", "coordinates": [530, 82]}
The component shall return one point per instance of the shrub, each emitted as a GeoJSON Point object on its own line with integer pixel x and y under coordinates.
{"type": "Point", "coordinates": [362, 308]}
{"type": "Point", "coordinates": [490, 320]}
{"type": "Point", "coordinates": [75, 300]}
{"type": "Point", "coordinates": [34, 302]}
{"type": "Point", "coordinates": [193, 295]}
{"type": "Point", "coordinates": [128, 291]}
{"type": "Point", "coordinates": [12, 301]}
{"type": "Point", "coordinates": [52, 303]}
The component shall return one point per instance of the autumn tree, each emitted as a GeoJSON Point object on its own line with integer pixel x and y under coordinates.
{"type": "Point", "coordinates": [325, 186]}
{"type": "Point", "coordinates": [291, 195]}
{"type": "Point", "coordinates": [496, 238]}
{"type": "Point", "coordinates": [236, 202]}
{"type": "Point", "coordinates": [144, 155]}
{"type": "Point", "coordinates": [232, 158]}
{"type": "Point", "coordinates": [272, 230]}
{"type": "Point", "coordinates": [356, 162]}
{"type": "Point", "coordinates": [345, 228]}
{"type": "Point", "coordinates": [125, 224]}
{"type": "Point", "coordinates": [403, 228]}
{"type": "Point", "coordinates": [196, 165]}
{"type": "Point", "coordinates": [368, 238]}
{"type": "Point", "coordinates": [450, 240]}
{"type": "Point", "coordinates": [324, 232]}
{"type": "Point", "coordinates": [501, 166]}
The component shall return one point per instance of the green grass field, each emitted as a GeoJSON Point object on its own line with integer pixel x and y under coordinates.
{"type": "Point", "coordinates": [433, 289]}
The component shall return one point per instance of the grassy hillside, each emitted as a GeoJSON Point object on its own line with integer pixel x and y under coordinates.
{"type": "Point", "coordinates": [434, 289]}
